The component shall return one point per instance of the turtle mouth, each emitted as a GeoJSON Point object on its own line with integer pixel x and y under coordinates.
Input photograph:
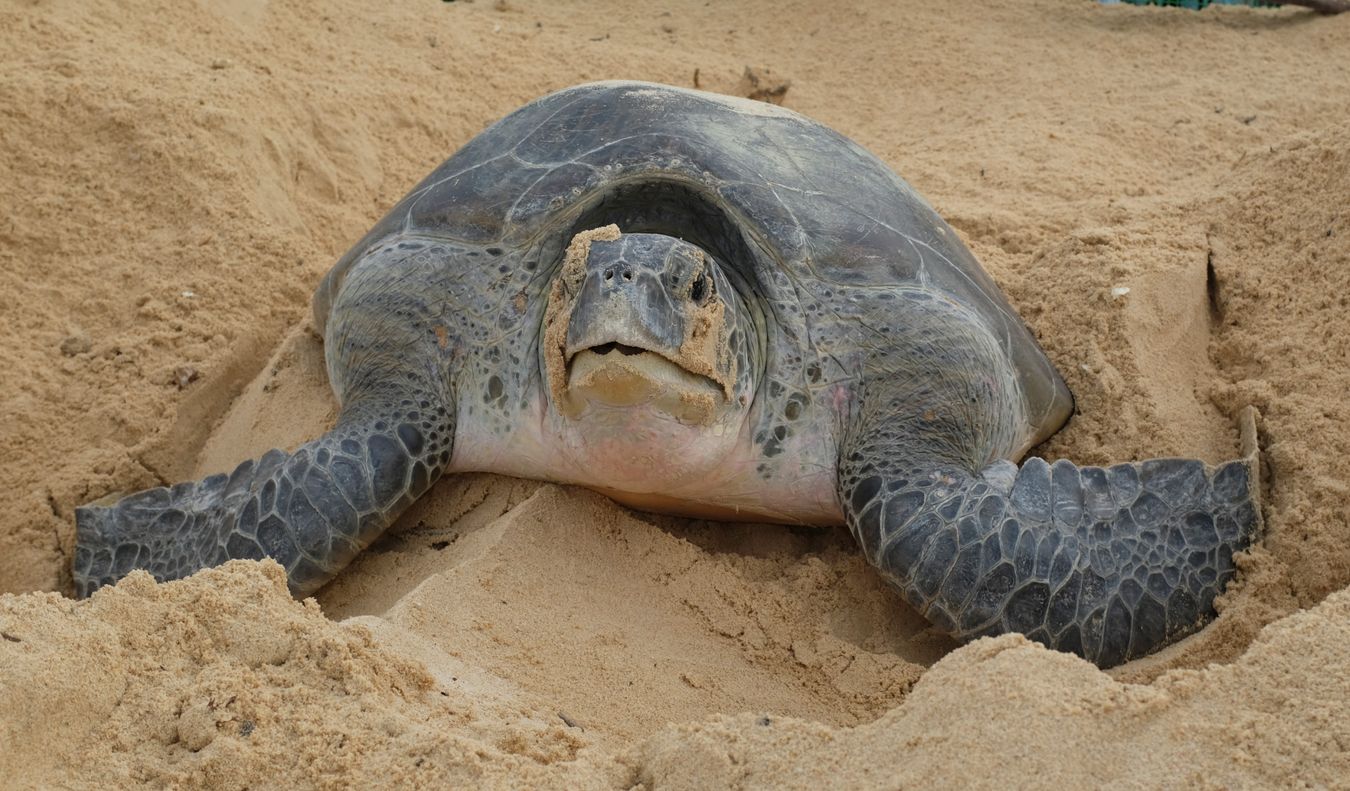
{"type": "Point", "coordinates": [616, 375]}
{"type": "Point", "coordinates": [621, 348]}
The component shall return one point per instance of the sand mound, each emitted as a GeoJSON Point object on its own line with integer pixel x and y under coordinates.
{"type": "Point", "coordinates": [175, 179]}
{"type": "Point", "coordinates": [1007, 712]}
{"type": "Point", "coordinates": [223, 680]}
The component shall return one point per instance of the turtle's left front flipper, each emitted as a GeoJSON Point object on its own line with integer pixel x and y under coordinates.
{"type": "Point", "coordinates": [314, 509]}
{"type": "Point", "coordinates": [1108, 563]}
{"type": "Point", "coordinates": [311, 510]}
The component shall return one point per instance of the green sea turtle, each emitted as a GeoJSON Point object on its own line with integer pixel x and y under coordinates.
{"type": "Point", "coordinates": [709, 306]}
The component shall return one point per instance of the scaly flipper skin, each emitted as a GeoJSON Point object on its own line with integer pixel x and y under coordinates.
{"type": "Point", "coordinates": [315, 509]}
{"type": "Point", "coordinates": [311, 511]}
{"type": "Point", "coordinates": [1107, 563]}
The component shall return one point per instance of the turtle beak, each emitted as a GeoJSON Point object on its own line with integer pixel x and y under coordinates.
{"type": "Point", "coordinates": [623, 308]}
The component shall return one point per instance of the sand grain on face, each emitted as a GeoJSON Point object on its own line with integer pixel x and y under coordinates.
{"type": "Point", "coordinates": [557, 315]}
{"type": "Point", "coordinates": [706, 348]}
{"type": "Point", "coordinates": [176, 178]}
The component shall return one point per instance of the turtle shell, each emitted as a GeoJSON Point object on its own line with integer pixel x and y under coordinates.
{"type": "Point", "coordinates": [766, 190]}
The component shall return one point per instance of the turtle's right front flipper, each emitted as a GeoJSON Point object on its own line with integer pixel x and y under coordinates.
{"type": "Point", "coordinates": [311, 510]}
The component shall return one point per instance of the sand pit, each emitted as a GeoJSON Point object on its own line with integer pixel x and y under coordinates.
{"type": "Point", "coordinates": [176, 178]}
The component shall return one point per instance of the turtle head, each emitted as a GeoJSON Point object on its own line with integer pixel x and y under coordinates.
{"type": "Point", "coordinates": [649, 321]}
{"type": "Point", "coordinates": [641, 335]}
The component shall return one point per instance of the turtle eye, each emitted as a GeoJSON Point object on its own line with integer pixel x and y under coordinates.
{"type": "Point", "coordinates": [699, 291]}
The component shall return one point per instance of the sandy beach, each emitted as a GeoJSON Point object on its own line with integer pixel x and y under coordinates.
{"type": "Point", "coordinates": [1164, 196]}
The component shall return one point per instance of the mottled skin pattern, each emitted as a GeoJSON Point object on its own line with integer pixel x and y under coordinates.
{"type": "Point", "coordinates": [881, 380]}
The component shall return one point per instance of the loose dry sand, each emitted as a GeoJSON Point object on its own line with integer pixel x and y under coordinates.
{"type": "Point", "coordinates": [176, 177]}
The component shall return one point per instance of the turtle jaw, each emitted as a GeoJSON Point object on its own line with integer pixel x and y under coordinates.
{"type": "Point", "coordinates": [618, 376]}
{"type": "Point", "coordinates": [638, 423]}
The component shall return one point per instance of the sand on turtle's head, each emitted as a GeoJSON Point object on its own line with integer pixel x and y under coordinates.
{"type": "Point", "coordinates": [706, 348]}
{"type": "Point", "coordinates": [558, 314]}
